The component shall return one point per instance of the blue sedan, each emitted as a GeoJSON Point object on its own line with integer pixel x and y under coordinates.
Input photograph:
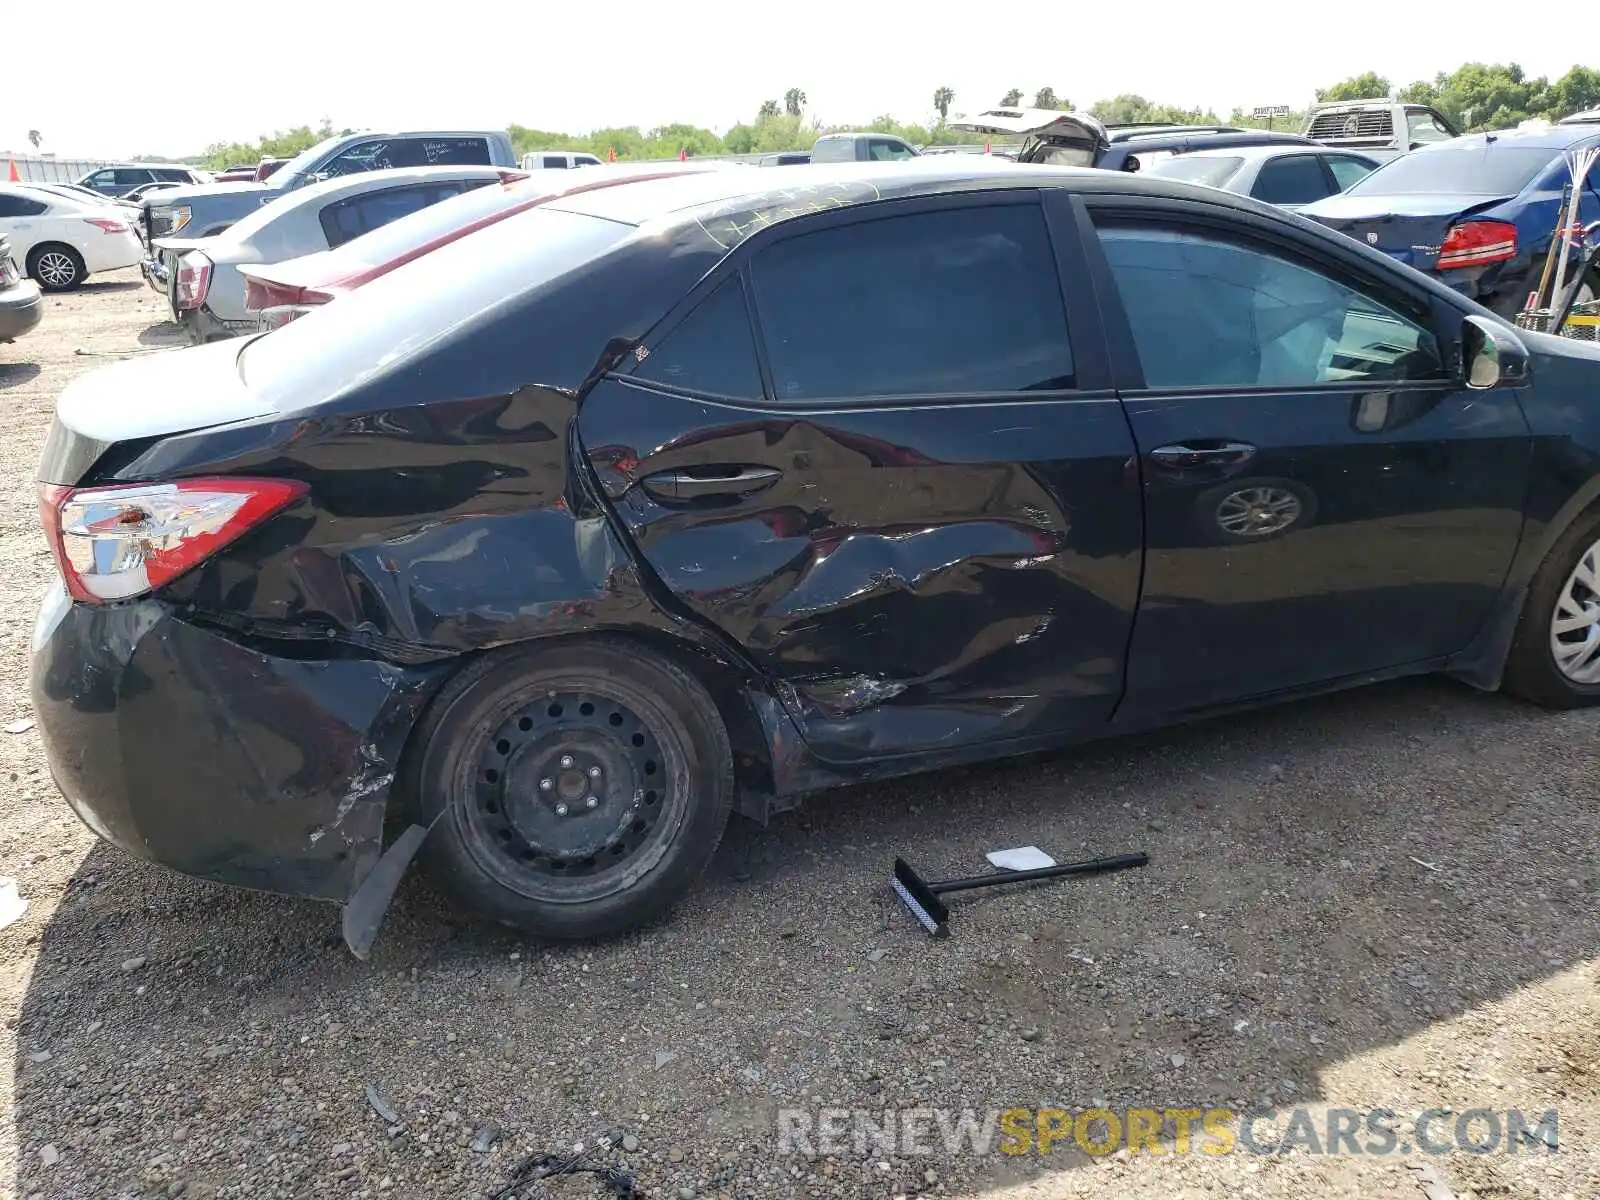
{"type": "Point", "coordinates": [1478, 213]}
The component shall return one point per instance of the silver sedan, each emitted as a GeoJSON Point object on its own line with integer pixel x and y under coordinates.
{"type": "Point", "coordinates": [209, 292]}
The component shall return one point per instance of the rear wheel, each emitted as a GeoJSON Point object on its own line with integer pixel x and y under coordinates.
{"type": "Point", "coordinates": [56, 267]}
{"type": "Point", "coordinates": [1555, 657]}
{"type": "Point", "coordinates": [585, 787]}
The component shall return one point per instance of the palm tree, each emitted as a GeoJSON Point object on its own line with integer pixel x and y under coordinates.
{"type": "Point", "coordinates": [35, 138]}
{"type": "Point", "coordinates": [769, 108]}
{"type": "Point", "coordinates": [1045, 97]}
{"type": "Point", "coordinates": [1011, 99]}
{"type": "Point", "coordinates": [793, 101]}
{"type": "Point", "coordinates": [942, 99]}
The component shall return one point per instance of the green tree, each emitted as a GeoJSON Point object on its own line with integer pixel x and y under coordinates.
{"type": "Point", "coordinates": [794, 100]}
{"type": "Point", "coordinates": [1367, 86]}
{"type": "Point", "coordinates": [1011, 99]}
{"type": "Point", "coordinates": [942, 99]}
{"type": "Point", "coordinates": [1576, 91]}
{"type": "Point", "coordinates": [769, 108]}
{"type": "Point", "coordinates": [1129, 109]}
{"type": "Point", "coordinates": [1045, 97]}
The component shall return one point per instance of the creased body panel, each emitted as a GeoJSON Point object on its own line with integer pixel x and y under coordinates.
{"type": "Point", "coordinates": [913, 577]}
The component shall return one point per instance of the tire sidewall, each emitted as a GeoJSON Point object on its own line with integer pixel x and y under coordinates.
{"type": "Point", "coordinates": [443, 771]}
{"type": "Point", "coordinates": [1531, 669]}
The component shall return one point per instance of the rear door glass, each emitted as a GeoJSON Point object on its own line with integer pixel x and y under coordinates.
{"type": "Point", "coordinates": [712, 351]}
{"type": "Point", "coordinates": [1292, 179]}
{"type": "Point", "coordinates": [957, 302]}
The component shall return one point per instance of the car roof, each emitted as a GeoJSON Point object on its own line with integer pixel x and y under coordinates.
{"type": "Point", "coordinates": [363, 181]}
{"type": "Point", "coordinates": [815, 187]}
{"type": "Point", "coordinates": [1275, 150]}
{"type": "Point", "coordinates": [1553, 137]}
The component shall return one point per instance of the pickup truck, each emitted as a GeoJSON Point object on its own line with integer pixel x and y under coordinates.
{"type": "Point", "coordinates": [1380, 129]}
{"type": "Point", "coordinates": [204, 211]}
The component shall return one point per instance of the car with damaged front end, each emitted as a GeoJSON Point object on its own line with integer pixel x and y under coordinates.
{"type": "Point", "coordinates": [549, 549]}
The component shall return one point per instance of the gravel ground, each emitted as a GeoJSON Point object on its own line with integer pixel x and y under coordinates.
{"type": "Point", "coordinates": [1386, 898]}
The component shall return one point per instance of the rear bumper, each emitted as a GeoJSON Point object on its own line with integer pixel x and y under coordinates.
{"type": "Point", "coordinates": [201, 325]}
{"type": "Point", "coordinates": [190, 749]}
{"type": "Point", "coordinates": [20, 309]}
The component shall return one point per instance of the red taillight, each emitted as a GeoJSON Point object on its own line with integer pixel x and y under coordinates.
{"type": "Point", "coordinates": [264, 293]}
{"type": "Point", "coordinates": [115, 543]}
{"type": "Point", "coordinates": [1477, 244]}
{"type": "Point", "coordinates": [194, 280]}
{"type": "Point", "coordinates": [107, 225]}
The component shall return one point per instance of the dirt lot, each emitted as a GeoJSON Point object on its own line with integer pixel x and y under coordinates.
{"type": "Point", "coordinates": [1386, 898]}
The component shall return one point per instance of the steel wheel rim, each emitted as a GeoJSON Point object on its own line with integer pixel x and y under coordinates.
{"type": "Point", "coordinates": [1258, 511]}
{"type": "Point", "coordinates": [573, 796]}
{"type": "Point", "coordinates": [56, 268]}
{"type": "Point", "coordinates": [1575, 623]}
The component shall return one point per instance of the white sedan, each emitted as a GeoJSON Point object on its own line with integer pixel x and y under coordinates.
{"type": "Point", "coordinates": [61, 241]}
{"type": "Point", "coordinates": [1285, 175]}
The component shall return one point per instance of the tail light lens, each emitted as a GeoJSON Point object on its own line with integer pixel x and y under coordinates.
{"type": "Point", "coordinates": [115, 543]}
{"type": "Point", "coordinates": [106, 225]}
{"type": "Point", "coordinates": [264, 293]}
{"type": "Point", "coordinates": [1477, 244]}
{"type": "Point", "coordinates": [194, 280]}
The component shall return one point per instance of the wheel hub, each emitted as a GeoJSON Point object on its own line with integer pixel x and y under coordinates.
{"type": "Point", "coordinates": [569, 786]}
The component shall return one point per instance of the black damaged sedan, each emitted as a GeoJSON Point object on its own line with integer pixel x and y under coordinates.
{"type": "Point", "coordinates": [556, 546]}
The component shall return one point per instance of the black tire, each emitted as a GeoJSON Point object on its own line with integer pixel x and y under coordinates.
{"type": "Point", "coordinates": [56, 267]}
{"type": "Point", "coordinates": [556, 714]}
{"type": "Point", "coordinates": [1531, 669]}
{"type": "Point", "coordinates": [1209, 512]}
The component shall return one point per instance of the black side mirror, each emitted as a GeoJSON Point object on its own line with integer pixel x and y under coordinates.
{"type": "Point", "coordinates": [1492, 355]}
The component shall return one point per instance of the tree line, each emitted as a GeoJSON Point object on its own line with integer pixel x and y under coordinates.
{"type": "Point", "coordinates": [1476, 96]}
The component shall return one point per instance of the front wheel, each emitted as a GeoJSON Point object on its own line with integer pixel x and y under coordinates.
{"type": "Point", "coordinates": [585, 786]}
{"type": "Point", "coordinates": [1555, 657]}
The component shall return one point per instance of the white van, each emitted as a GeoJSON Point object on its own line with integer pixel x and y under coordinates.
{"type": "Point", "coordinates": [560, 160]}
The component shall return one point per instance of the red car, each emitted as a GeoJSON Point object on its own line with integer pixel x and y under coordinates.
{"type": "Point", "coordinates": [282, 291]}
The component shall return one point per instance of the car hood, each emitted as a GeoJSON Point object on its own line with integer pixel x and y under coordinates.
{"type": "Point", "coordinates": [1035, 122]}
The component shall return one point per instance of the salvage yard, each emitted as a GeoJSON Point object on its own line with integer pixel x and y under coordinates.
{"type": "Point", "coordinates": [1385, 898]}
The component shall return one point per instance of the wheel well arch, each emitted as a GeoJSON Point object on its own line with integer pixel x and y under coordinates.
{"type": "Point", "coordinates": [726, 683]}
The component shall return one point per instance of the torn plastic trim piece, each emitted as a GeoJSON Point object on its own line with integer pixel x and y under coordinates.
{"type": "Point", "coordinates": [369, 902]}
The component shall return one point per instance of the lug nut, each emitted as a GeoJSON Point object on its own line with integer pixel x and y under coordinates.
{"type": "Point", "coordinates": [546, 784]}
{"type": "Point", "coordinates": [561, 810]}
{"type": "Point", "coordinates": [566, 762]}
{"type": "Point", "coordinates": [594, 772]}
{"type": "Point", "coordinates": [593, 801]}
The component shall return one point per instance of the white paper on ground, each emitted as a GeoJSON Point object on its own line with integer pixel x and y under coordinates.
{"type": "Point", "coordinates": [12, 906]}
{"type": "Point", "coordinates": [1023, 858]}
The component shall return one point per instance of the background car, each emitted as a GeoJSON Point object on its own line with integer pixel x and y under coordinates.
{"type": "Point", "coordinates": [208, 295]}
{"type": "Point", "coordinates": [59, 241]}
{"type": "Point", "coordinates": [1477, 212]}
{"type": "Point", "coordinates": [860, 147]}
{"type": "Point", "coordinates": [121, 179]}
{"type": "Point", "coordinates": [82, 195]}
{"type": "Point", "coordinates": [20, 308]}
{"type": "Point", "coordinates": [1288, 176]}
{"type": "Point", "coordinates": [280, 292]}
{"type": "Point", "coordinates": [1073, 139]}
{"type": "Point", "coordinates": [144, 189]}
{"type": "Point", "coordinates": [560, 543]}
{"type": "Point", "coordinates": [557, 160]}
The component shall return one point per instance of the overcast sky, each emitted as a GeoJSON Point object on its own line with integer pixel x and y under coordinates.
{"type": "Point", "coordinates": [100, 78]}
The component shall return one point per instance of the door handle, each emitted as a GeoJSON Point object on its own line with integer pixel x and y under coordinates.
{"type": "Point", "coordinates": [709, 481]}
{"type": "Point", "coordinates": [1203, 453]}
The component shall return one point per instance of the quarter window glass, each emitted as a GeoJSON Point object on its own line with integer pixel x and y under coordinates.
{"type": "Point", "coordinates": [955, 302]}
{"type": "Point", "coordinates": [1211, 313]}
{"type": "Point", "coordinates": [711, 351]}
{"type": "Point", "coordinates": [1295, 179]}
{"type": "Point", "coordinates": [20, 206]}
{"type": "Point", "coordinates": [351, 218]}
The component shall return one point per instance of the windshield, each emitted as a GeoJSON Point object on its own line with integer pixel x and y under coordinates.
{"type": "Point", "coordinates": [302, 163]}
{"type": "Point", "coordinates": [1465, 167]}
{"type": "Point", "coordinates": [1213, 172]}
{"type": "Point", "coordinates": [399, 315]}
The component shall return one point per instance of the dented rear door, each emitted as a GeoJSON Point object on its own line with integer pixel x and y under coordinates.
{"type": "Point", "coordinates": [868, 451]}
